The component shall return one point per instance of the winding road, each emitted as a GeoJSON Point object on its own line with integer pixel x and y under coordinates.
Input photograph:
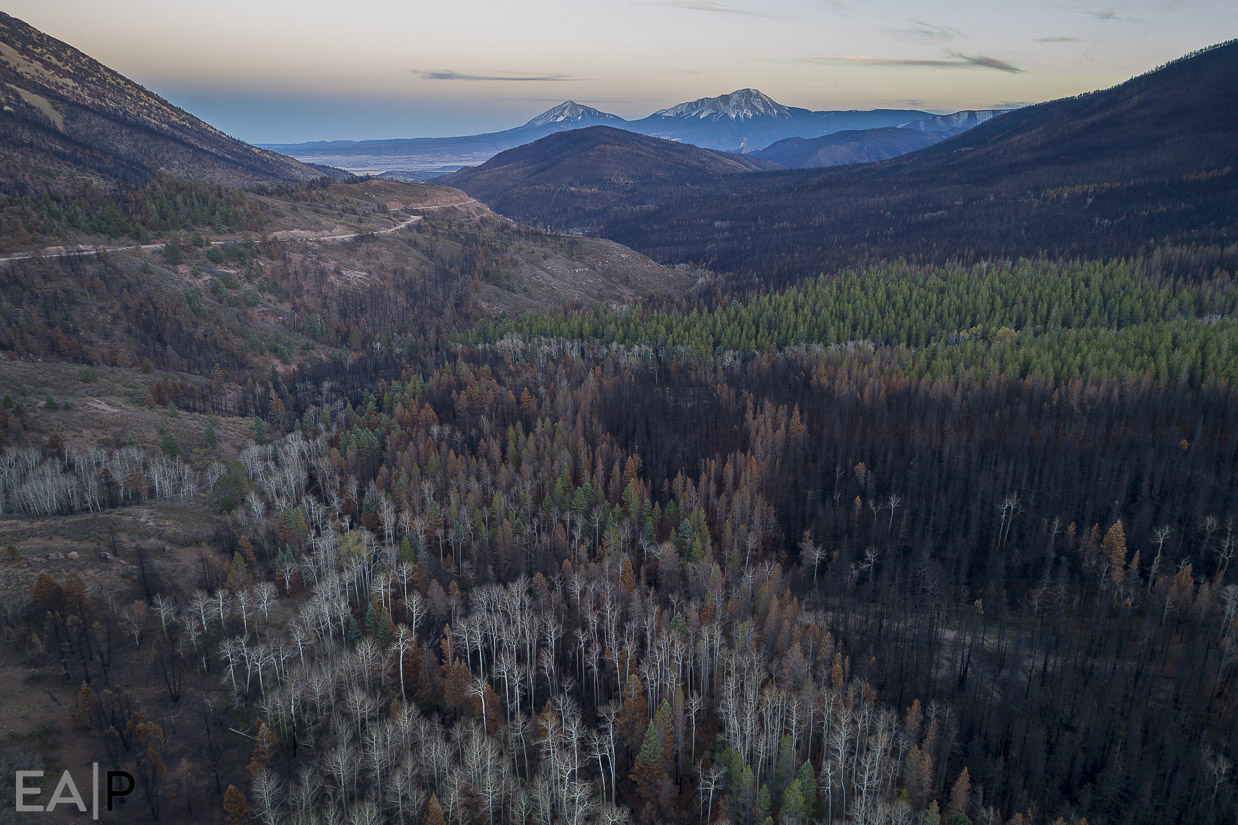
{"type": "Point", "coordinates": [283, 235]}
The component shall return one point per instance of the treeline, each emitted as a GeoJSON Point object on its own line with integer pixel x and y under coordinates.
{"type": "Point", "coordinates": [165, 206]}
{"type": "Point", "coordinates": [1057, 321]}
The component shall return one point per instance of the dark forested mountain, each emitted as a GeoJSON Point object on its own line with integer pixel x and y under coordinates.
{"type": "Point", "coordinates": [1150, 160]}
{"type": "Point", "coordinates": [573, 178]}
{"type": "Point", "coordinates": [746, 120]}
{"type": "Point", "coordinates": [851, 146]}
{"type": "Point", "coordinates": [68, 118]}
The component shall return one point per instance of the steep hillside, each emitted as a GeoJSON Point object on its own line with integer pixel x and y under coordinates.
{"type": "Point", "coordinates": [570, 178]}
{"type": "Point", "coordinates": [1148, 163]}
{"type": "Point", "coordinates": [342, 272]}
{"type": "Point", "coordinates": [67, 119]}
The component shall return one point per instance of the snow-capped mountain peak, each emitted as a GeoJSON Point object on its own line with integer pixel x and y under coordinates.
{"type": "Point", "coordinates": [744, 104]}
{"type": "Point", "coordinates": [570, 111]}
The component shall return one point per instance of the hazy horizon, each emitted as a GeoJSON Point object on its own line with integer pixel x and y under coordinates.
{"type": "Point", "coordinates": [284, 72]}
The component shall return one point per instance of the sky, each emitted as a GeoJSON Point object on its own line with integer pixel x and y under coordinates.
{"type": "Point", "coordinates": [284, 71]}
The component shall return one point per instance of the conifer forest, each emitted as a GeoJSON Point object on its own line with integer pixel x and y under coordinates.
{"type": "Point", "coordinates": [352, 502]}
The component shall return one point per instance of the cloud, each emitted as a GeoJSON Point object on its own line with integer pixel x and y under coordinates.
{"type": "Point", "coordinates": [1058, 40]}
{"type": "Point", "coordinates": [448, 74]}
{"type": "Point", "coordinates": [953, 61]}
{"type": "Point", "coordinates": [1111, 14]}
{"type": "Point", "coordinates": [713, 6]}
{"type": "Point", "coordinates": [928, 32]}
{"type": "Point", "coordinates": [984, 62]}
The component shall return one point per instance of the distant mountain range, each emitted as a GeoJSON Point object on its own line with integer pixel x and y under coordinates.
{"type": "Point", "coordinates": [871, 144]}
{"type": "Point", "coordinates": [580, 178]}
{"type": "Point", "coordinates": [68, 118]}
{"type": "Point", "coordinates": [747, 120]}
{"type": "Point", "coordinates": [1144, 165]}
{"type": "Point", "coordinates": [954, 123]}
{"type": "Point", "coordinates": [428, 157]}
{"type": "Point", "coordinates": [743, 121]}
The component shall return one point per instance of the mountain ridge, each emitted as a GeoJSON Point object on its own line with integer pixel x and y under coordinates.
{"type": "Point", "coordinates": [69, 118]}
{"type": "Point", "coordinates": [849, 147]}
{"type": "Point", "coordinates": [592, 170]}
{"type": "Point", "coordinates": [955, 121]}
{"type": "Point", "coordinates": [1146, 163]}
{"type": "Point", "coordinates": [743, 120]}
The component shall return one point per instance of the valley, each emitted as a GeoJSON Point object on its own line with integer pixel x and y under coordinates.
{"type": "Point", "coordinates": [624, 479]}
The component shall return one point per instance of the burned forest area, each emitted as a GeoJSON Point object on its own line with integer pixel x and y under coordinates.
{"type": "Point", "coordinates": [329, 500]}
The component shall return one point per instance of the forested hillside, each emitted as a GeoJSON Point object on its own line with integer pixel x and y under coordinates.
{"type": "Point", "coordinates": [358, 504]}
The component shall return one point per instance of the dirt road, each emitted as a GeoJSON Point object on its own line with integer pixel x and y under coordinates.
{"type": "Point", "coordinates": [284, 235]}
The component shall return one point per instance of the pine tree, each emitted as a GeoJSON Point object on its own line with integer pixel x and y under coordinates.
{"type": "Point", "coordinates": [434, 812]}
{"type": "Point", "coordinates": [765, 804]}
{"type": "Point", "coordinates": [265, 744]}
{"type": "Point", "coordinates": [794, 810]}
{"type": "Point", "coordinates": [634, 712]}
{"type": "Point", "coordinates": [807, 778]}
{"type": "Point", "coordinates": [236, 809]}
{"type": "Point", "coordinates": [960, 800]}
{"type": "Point", "coordinates": [83, 704]}
{"type": "Point", "coordinates": [1113, 547]}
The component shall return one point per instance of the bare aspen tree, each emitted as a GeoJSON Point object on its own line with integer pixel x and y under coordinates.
{"type": "Point", "coordinates": [166, 610]}
{"type": "Point", "coordinates": [135, 621]}
{"type": "Point", "coordinates": [710, 783]}
{"type": "Point", "coordinates": [892, 504]}
{"type": "Point", "coordinates": [1159, 534]}
{"type": "Point", "coordinates": [223, 604]}
{"type": "Point", "coordinates": [342, 764]}
{"type": "Point", "coordinates": [811, 554]}
{"type": "Point", "coordinates": [403, 645]}
{"type": "Point", "coordinates": [1225, 550]}
{"type": "Point", "coordinates": [267, 796]}
{"type": "Point", "coordinates": [193, 634]}
{"type": "Point", "coordinates": [244, 600]}
{"type": "Point", "coordinates": [265, 596]}
{"type": "Point", "coordinates": [1229, 600]}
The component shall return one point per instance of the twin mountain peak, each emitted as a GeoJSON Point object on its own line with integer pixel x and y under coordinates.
{"type": "Point", "coordinates": [742, 104]}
